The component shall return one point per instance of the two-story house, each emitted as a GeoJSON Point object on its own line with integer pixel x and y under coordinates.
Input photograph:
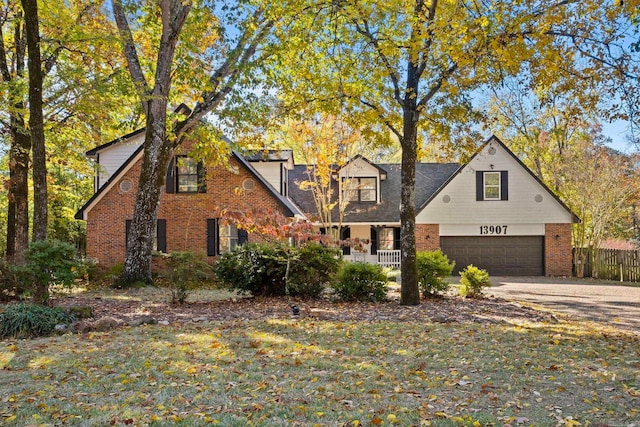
{"type": "Point", "coordinates": [491, 212]}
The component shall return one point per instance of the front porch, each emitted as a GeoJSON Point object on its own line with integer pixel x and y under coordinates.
{"type": "Point", "coordinates": [384, 257]}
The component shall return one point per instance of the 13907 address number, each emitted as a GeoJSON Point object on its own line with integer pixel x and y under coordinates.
{"type": "Point", "coordinates": [493, 229]}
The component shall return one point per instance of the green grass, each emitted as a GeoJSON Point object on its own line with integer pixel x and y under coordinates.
{"type": "Point", "coordinates": [306, 372]}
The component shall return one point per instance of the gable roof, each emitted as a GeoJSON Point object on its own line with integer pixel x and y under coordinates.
{"type": "Point", "coordinates": [495, 139]}
{"type": "Point", "coordinates": [429, 178]}
{"type": "Point", "coordinates": [381, 170]}
{"type": "Point", "coordinates": [94, 151]}
{"type": "Point", "coordinates": [268, 155]}
{"type": "Point", "coordinates": [290, 208]}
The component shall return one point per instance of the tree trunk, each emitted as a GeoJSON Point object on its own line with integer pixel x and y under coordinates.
{"type": "Point", "coordinates": [157, 153]}
{"type": "Point", "coordinates": [19, 154]}
{"type": "Point", "coordinates": [18, 192]}
{"type": "Point", "coordinates": [409, 291]}
{"type": "Point", "coordinates": [36, 120]}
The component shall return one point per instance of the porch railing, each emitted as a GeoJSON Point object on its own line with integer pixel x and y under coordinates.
{"type": "Point", "coordinates": [389, 258]}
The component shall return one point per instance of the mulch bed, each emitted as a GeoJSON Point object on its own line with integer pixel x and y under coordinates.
{"type": "Point", "coordinates": [447, 309]}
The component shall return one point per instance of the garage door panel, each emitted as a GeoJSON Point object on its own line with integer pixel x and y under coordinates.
{"type": "Point", "coordinates": [500, 256]}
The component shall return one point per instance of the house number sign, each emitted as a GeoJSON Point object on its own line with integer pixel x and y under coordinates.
{"type": "Point", "coordinates": [493, 229]}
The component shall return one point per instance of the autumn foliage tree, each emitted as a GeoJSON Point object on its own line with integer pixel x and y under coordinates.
{"type": "Point", "coordinates": [325, 144]}
{"type": "Point", "coordinates": [201, 52]}
{"type": "Point", "coordinates": [73, 68]}
{"type": "Point", "coordinates": [411, 67]}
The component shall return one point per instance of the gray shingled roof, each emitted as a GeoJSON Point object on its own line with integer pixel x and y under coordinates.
{"type": "Point", "coordinates": [429, 178]}
{"type": "Point", "coordinates": [267, 155]}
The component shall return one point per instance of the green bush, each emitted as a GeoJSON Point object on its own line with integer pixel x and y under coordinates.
{"type": "Point", "coordinates": [361, 281]}
{"type": "Point", "coordinates": [433, 267]}
{"type": "Point", "coordinates": [47, 262]}
{"type": "Point", "coordinates": [273, 269]}
{"type": "Point", "coordinates": [31, 320]}
{"type": "Point", "coordinates": [12, 282]}
{"type": "Point", "coordinates": [258, 269]}
{"type": "Point", "coordinates": [472, 282]}
{"type": "Point", "coordinates": [311, 268]}
{"type": "Point", "coordinates": [185, 270]}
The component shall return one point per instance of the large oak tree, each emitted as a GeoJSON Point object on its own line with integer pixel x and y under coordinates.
{"type": "Point", "coordinates": [234, 37]}
{"type": "Point", "coordinates": [413, 67]}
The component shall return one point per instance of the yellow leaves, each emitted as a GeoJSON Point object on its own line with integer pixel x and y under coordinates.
{"type": "Point", "coordinates": [570, 422]}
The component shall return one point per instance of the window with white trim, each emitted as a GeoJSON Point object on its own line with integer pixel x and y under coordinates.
{"type": "Point", "coordinates": [492, 186]}
{"type": "Point", "coordinates": [361, 189]}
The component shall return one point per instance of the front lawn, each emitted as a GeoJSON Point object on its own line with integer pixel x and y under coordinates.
{"type": "Point", "coordinates": [308, 371]}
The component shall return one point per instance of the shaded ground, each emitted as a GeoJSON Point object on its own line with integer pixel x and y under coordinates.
{"type": "Point", "coordinates": [511, 300]}
{"type": "Point", "coordinates": [597, 300]}
{"type": "Point", "coordinates": [135, 305]}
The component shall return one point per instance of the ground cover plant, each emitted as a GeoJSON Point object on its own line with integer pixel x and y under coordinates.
{"type": "Point", "coordinates": [343, 364]}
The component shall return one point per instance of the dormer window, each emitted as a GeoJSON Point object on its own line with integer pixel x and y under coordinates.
{"type": "Point", "coordinates": [360, 189]}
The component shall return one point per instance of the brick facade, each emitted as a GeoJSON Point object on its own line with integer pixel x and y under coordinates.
{"type": "Point", "coordinates": [427, 237]}
{"type": "Point", "coordinates": [558, 256]}
{"type": "Point", "coordinates": [186, 214]}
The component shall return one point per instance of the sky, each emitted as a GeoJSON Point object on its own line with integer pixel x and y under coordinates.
{"type": "Point", "coordinates": [617, 131]}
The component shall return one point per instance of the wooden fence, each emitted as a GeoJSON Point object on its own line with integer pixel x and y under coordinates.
{"type": "Point", "coordinates": [611, 264]}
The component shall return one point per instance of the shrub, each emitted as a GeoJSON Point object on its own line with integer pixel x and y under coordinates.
{"type": "Point", "coordinates": [432, 267]}
{"type": "Point", "coordinates": [311, 268]}
{"type": "Point", "coordinates": [254, 268]}
{"type": "Point", "coordinates": [362, 282]}
{"type": "Point", "coordinates": [185, 270]}
{"type": "Point", "coordinates": [473, 280]}
{"type": "Point", "coordinates": [47, 262]}
{"type": "Point", "coordinates": [272, 269]}
{"type": "Point", "coordinates": [12, 284]}
{"type": "Point", "coordinates": [31, 320]}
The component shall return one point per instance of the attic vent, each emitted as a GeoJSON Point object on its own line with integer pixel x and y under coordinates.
{"type": "Point", "coordinates": [248, 184]}
{"type": "Point", "coordinates": [538, 198]}
{"type": "Point", "coordinates": [446, 198]}
{"type": "Point", "coordinates": [492, 150]}
{"type": "Point", "coordinates": [125, 186]}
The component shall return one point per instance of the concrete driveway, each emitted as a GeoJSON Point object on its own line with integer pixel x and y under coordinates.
{"type": "Point", "coordinates": [597, 300]}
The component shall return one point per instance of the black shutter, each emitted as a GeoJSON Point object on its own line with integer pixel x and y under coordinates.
{"type": "Point", "coordinates": [243, 236]}
{"type": "Point", "coordinates": [396, 238]}
{"type": "Point", "coordinates": [170, 178]}
{"type": "Point", "coordinates": [374, 241]}
{"type": "Point", "coordinates": [504, 185]}
{"type": "Point", "coordinates": [345, 233]}
{"type": "Point", "coordinates": [212, 237]}
{"type": "Point", "coordinates": [127, 229]}
{"type": "Point", "coordinates": [202, 180]}
{"type": "Point", "coordinates": [479, 185]}
{"type": "Point", "coordinates": [161, 235]}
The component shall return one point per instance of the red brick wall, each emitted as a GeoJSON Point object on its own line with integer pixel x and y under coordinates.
{"type": "Point", "coordinates": [186, 214]}
{"type": "Point", "coordinates": [427, 237]}
{"type": "Point", "coordinates": [558, 256]}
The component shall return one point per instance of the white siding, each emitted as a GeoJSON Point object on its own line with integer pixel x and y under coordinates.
{"type": "Point", "coordinates": [111, 158]}
{"type": "Point", "coordinates": [358, 168]}
{"type": "Point", "coordinates": [521, 209]}
{"type": "Point", "coordinates": [271, 172]}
